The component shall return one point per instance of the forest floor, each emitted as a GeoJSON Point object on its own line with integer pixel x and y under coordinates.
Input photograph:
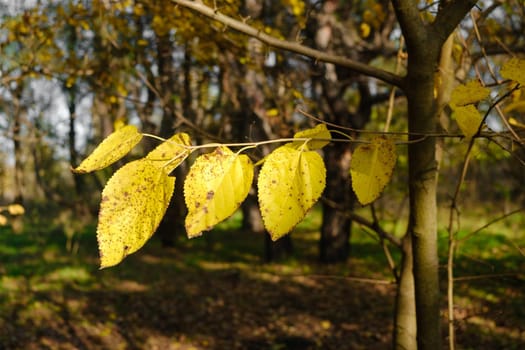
{"type": "Point", "coordinates": [215, 292]}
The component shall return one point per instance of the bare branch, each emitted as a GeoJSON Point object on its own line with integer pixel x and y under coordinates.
{"type": "Point", "coordinates": [295, 47]}
{"type": "Point", "coordinates": [486, 276]}
{"type": "Point", "coordinates": [374, 226]}
{"type": "Point", "coordinates": [491, 222]}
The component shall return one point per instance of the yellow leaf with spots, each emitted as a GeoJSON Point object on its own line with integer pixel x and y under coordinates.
{"type": "Point", "coordinates": [319, 132]}
{"type": "Point", "coordinates": [469, 93]}
{"type": "Point", "coordinates": [215, 187]}
{"type": "Point", "coordinates": [111, 149]}
{"type": "Point", "coordinates": [514, 69]}
{"type": "Point", "coordinates": [290, 182]}
{"type": "Point", "coordinates": [170, 153]}
{"type": "Point", "coordinates": [133, 204]}
{"type": "Point", "coordinates": [468, 119]}
{"type": "Point", "coordinates": [372, 168]}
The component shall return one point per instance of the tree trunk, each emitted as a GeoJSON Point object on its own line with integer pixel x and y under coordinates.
{"type": "Point", "coordinates": [73, 154]}
{"type": "Point", "coordinates": [172, 224]}
{"type": "Point", "coordinates": [424, 43]}
{"type": "Point", "coordinates": [17, 145]}
{"type": "Point", "coordinates": [277, 250]}
{"type": "Point", "coordinates": [251, 215]}
{"type": "Point", "coordinates": [405, 329]}
{"type": "Point", "coordinates": [422, 190]}
{"type": "Point", "coordinates": [334, 245]}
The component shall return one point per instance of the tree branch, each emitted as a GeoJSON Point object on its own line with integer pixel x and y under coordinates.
{"type": "Point", "coordinates": [450, 15]}
{"type": "Point", "coordinates": [298, 48]}
{"type": "Point", "coordinates": [409, 19]}
{"type": "Point", "coordinates": [373, 225]}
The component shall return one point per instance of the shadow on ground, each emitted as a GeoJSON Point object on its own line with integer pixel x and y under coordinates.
{"type": "Point", "coordinates": [210, 293]}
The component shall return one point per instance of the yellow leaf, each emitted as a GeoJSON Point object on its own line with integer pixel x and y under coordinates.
{"type": "Point", "coordinates": [132, 206]}
{"type": "Point", "coordinates": [518, 106]}
{"type": "Point", "coordinates": [215, 187]}
{"type": "Point", "coordinates": [84, 25]}
{"type": "Point", "coordinates": [111, 149]}
{"type": "Point", "coordinates": [15, 209]}
{"type": "Point", "coordinates": [290, 182]}
{"type": "Point", "coordinates": [514, 69]}
{"type": "Point", "coordinates": [325, 324]}
{"type": "Point", "coordinates": [468, 119]}
{"type": "Point", "coordinates": [273, 112]}
{"type": "Point", "coordinates": [516, 123]}
{"type": "Point", "coordinates": [70, 81]}
{"type": "Point", "coordinates": [368, 16]}
{"type": "Point", "coordinates": [171, 152]}
{"type": "Point", "coordinates": [364, 30]}
{"type": "Point", "coordinates": [319, 132]}
{"type": "Point", "coordinates": [468, 93]}
{"type": "Point", "coordinates": [3, 220]}
{"type": "Point", "coordinates": [371, 168]}
{"type": "Point", "coordinates": [121, 90]}
{"type": "Point", "coordinates": [138, 10]}
{"type": "Point", "coordinates": [119, 123]}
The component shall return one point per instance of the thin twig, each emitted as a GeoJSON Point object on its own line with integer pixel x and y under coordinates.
{"type": "Point", "coordinates": [480, 277]}
{"type": "Point", "coordinates": [491, 222]}
{"type": "Point", "coordinates": [361, 220]}
{"type": "Point", "coordinates": [391, 97]}
{"type": "Point", "coordinates": [350, 278]}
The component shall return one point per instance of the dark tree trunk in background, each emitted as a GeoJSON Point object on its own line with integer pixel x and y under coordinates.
{"type": "Point", "coordinates": [172, 224]}
{"type": "Point", "coordinates": [334, 245]}
{"type": "Point", "coordinates": [251, 215]}
{"type": "Point", "coordinates": [278, 250]}
{"type": "Point", "coordinates": [255, 126]}
{"type": "Point", "coordinates": [17, 145]}
{"type": "Point", "coordinates": [252, 220]}
{"type": "Point", "coordinates": [73, 154]}
{"type": "Point", "coordinates": [331, 84]}
{"type": "Point", "coordinates": [70, 91]}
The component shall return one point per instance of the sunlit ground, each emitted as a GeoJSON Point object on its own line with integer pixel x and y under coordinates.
{"type": "Point", "coordinates": [215, 292]}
